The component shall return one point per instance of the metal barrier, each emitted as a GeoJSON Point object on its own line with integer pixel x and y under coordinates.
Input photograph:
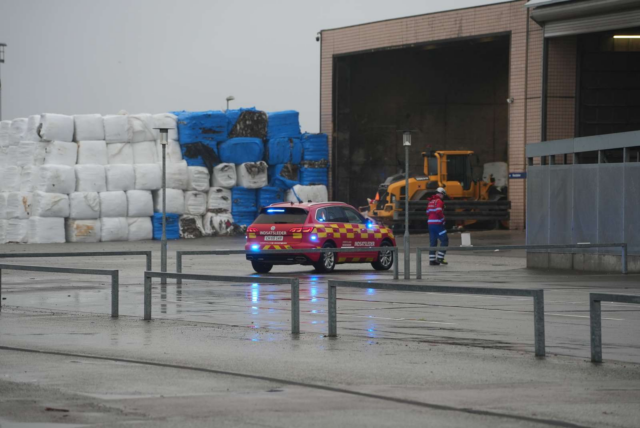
{"type": "Point", "coordinates": [147, 254]}
{"type": "Point", "coordinates": [114, 274]}
{"type": "Point", "coordinates": [420, 250]}
{"type": "Point", "coordinates": [180, 254]}
{"type": "Point", "coordinates": [294, 282]}
{"type": "Point", "coordinates": [595, 315]}
{"type": "Point", "coordinates": [538, 301]}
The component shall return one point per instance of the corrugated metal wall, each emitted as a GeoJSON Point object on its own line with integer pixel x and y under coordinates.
{"type": "Point", "coordinates": [597, 203]}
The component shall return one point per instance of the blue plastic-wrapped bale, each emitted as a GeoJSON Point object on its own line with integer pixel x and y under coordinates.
{"type": "Point", "coordinates": [244, 219]}
{"type": "Point", "coordinates": [241, 150]}
{"type": "Point", "coordinates": [201, 154]}
{"type": "Point", "coordinates": [283, 124]}
{"type": "Point", "coordinates": [247, 123]}
{"type": "Point", "coordinates": [172, 228]}
{"type": "Point", "coordinates": [284, 176]}
{"type": "Point", "coordinates": [283, 150]}
{"type": "Point", "coordinates": [244, 205]}
{"type": "Point", "coordinates": [309, 176]}
{"type": "Point", "coordinates": [315, 147]}
{"type": "Point", "coordinates": [202, 126]}
{"type": "Point", "coordinates": [270, 195]}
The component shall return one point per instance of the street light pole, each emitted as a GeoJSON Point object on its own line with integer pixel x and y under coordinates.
{"type": "Point", "coordinates": [2, 46]}
{"type": "Point", "coordinates": [229, 98]}
{"type": "Point", "coordinates": [406, 142]}
{"type": "Point", "coordinates": [163, 243]}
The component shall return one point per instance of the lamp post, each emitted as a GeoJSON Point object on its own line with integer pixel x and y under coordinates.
{"type": "Point", "coordinates": [229, 98]}
{"type": "Point", "coordinates": [406, 142]}
{"type": "Point", "coordinates": [2, 46]}
{"type": "Point", "coordinates": [164, 132]}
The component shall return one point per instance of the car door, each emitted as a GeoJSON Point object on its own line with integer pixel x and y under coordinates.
{"type": "Point", "coordinates": [356, 231]}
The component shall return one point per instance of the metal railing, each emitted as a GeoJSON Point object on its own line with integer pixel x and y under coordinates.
{"type": "Point", "coordinates": [537, 295]}
{"type": "Point", "coordinates": [420, 250]}
{"type": "Point", "coordinates": [147, 254]}
{"type": "Point", "coordinates": [114, 274]}
{"type": "Point", "coordinates": [181, 254]}
{"type": "Point", "coordinates": [595, 316]}
{"type": "Point", "coordinates": [294, 282]}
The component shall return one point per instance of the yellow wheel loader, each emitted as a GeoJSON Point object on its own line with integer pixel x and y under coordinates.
{"type": "Point", "coordinates": [469, 200]}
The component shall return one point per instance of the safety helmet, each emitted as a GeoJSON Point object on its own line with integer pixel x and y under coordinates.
{"type": "Point", "coordinates": [441, 191]}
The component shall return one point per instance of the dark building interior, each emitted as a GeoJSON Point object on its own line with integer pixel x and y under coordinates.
{"type": "Point", "coordinates": [452, 96]}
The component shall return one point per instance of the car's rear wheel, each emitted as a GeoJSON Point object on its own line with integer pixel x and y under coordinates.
{"type": "Point", "coordinates": [327, 261]}
{"type": "Point", "coordinates": [385, 258]}
{"type": "Point", "coordinates": [261, 267]}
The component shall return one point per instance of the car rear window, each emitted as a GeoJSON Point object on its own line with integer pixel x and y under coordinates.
{"type": "Point", "coordinates": [282, 216]}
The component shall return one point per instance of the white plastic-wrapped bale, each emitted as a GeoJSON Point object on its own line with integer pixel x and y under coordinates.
{"type": "Point", "coordinates": [56, 127]}
{"type": "Point", "coordinates": [217, 224]}
{"type": "Point", "coordinates": [191, 227]}
{"type": "Point", "coordinates": [8, 156]}
{"type": "Point", "coordinates": [166, 120]}
{"type": "Point", "coordinates": [3, 205]}
{"type": "Point", "coordinates": [10, 178]}
{"type": "Point", "coordinates": [141, 128]}
{"type": "Point", "coordinates": [252, 175]}
{"type": "Point", "coordinates": [144, 152]}
{"type": "Point", "coordinates": [140, 203]}
{"type": "Point", "coordinates": [224, 175]}
{"type": "Point", "coordinates": [27, 177]}
{"type": "Point", "coordinates": [26, 153]}
{"type": "Point", "coordinates": [5, 130]}
{"type": "Point", "coordinates": [178, 175]}
{"type": "Point", "coordinates": [116, 128]}
{"type": "Point", "coordinates": [84, 205]}
{"type": "Point", "coordinates": [113, 204]}
{"type": "Point", "coordinates": [18, 231]}
{"type": "Point", "coordinates": [3, 231]}
{"type": "Point", "coordinates": [198, 178]}
{"type": "Point", "coordinates": [307, 194]}
{"type": "Point", "coordinates": [83, 230]}
{"type": "Point", "coordinates": [40, 154]}
{"type": "Point", "coordinates": [92, 153]}
{"type": "Point", "coordinates": [148, 177]}
{"type": "Point", "coordinates": [18, 131]}
{"type": "Point", "coordinates": [61, 153]}
{"type": "Point", "coordinates": [88, 127]}
{"type": "Point", "coordinates": [33, 123]}
{"type": "Point", "coordinates": [140, 228]}
{"type": "Point", "coordinates": [120, 177]}
{"type": "Point", "coordinates": [19, 205]}
{"type": "Point", "coordinates": [120, 154]}
{"type": "Point", "coordinates": [55, 179]}
{"type": "Point", "coordinates": [90, 178]}
{"type": "Point", "coordinates": [114, 229]}
{"type": "Point", "coordinates": [175, 201]}
{"type": "Point", "coordinates": [49, 205]}
{"type": "Point", "coordinates": [219, 200]}
{"type": "Point", "coordinates": [195, 203]}
{"type": "Point", "coordinates": [173, 151]}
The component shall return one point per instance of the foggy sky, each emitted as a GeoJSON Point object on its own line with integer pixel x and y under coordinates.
{"type": "Point", "coordinates": [152, 56]}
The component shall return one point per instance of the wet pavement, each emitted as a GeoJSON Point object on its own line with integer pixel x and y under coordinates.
{"type": "Point", "coordinates": [465, 351]}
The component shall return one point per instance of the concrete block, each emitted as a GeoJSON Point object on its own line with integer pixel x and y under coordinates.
{"type": "Point", "coordinates": [561, 261]}
{"type": "Point", "coordinates": [537, 260]}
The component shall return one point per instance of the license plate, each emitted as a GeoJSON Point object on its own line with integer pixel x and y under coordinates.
{"type": "Point", "coordinates": [274, 238]}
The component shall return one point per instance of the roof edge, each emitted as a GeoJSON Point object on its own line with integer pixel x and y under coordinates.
{"type": "Point", "coordinates": [422, 14]}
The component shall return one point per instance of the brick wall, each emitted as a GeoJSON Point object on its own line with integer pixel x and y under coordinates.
{"type": "Point", "coordinates": [525, 76]}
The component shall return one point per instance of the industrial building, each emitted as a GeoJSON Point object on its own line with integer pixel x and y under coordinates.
{"type": "Point", "coordinates": [492, 79]}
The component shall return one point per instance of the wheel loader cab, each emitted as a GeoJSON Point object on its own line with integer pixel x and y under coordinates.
{"type": "Point", "coordinates": [451, 170]}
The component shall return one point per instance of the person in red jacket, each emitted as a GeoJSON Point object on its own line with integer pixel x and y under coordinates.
{"type": "Point", "coordinates": [437, 230]}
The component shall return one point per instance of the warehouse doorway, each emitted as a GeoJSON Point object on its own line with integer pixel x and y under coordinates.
{"type": "Point", "coordinates": [452, 95]}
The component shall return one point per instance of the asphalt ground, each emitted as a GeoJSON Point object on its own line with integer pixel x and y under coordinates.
{"type": "Point", "coordinates": [401, 358]}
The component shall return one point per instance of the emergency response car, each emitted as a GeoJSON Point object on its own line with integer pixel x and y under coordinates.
{"type": "Point", "coordinates": [286, 226]}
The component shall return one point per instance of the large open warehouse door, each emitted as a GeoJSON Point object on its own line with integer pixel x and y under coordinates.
{"type": "Point", "coordinates": [453, 95]}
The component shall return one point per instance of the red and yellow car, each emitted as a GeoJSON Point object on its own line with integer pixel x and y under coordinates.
{"type": "Point", "coordinates": [286, 226]}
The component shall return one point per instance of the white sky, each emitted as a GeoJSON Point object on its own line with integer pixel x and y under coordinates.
{"type": "Point", "coordinates": [152, 56]}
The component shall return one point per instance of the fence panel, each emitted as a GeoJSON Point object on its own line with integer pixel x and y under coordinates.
{"type": "Point", "coordinates": [585, 204]}
{"type": "Point", "coordinates": [561, 204]}
{"type": "Point", "coordinates": [537, 205]}
{"type": "Point", "coordinates": [610, 203]}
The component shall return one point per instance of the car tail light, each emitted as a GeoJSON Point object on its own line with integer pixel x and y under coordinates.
{"type": "Point", "coordinates": [252, 230]}
{"type": "Point", "coordinates": [301, 229]}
